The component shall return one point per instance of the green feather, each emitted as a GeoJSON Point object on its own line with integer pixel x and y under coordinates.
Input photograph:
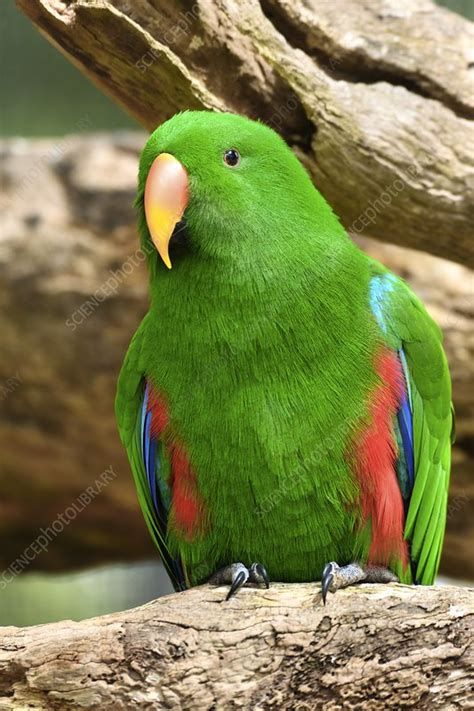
{"type": "Point", "coordinates": [430, 387]}
{"type": "Point", "coordinates": [128, 412]}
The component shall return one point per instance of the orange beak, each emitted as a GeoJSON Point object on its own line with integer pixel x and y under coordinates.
{"type": "Point", "coordinates": [166, 197]}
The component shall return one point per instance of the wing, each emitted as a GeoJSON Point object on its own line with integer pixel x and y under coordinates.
{"type": "Point", "coordinates": [146, 455]}
{"type": "Point", "coordinates": [424, 422]}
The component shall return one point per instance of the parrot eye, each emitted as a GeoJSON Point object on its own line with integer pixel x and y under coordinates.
{"type": "Point", "coordinates": [232, 157]}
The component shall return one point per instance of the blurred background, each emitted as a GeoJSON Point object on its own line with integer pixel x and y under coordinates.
{"type": "Point", "coordinates": [72, 540]}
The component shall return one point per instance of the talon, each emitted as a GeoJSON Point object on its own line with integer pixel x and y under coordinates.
{"type": "Point", "coordinates": [327, 579]}
{"type": "Point", "coordinates": [258, 574]}
{"type": "Point", "coordinates": [240, 579]}
{"type": "Point", "coordinates": [329, 567]}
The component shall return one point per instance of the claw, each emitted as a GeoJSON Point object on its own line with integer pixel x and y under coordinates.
{"type": "Point", "coordinates": [239, 580]}
{"type": "Point", "coordinates": [258, 574]}
{"type": "Point", "coordinates": [327, 579]}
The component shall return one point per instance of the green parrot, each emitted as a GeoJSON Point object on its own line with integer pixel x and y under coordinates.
{"type": "Point", "coordinates": [285, 403]}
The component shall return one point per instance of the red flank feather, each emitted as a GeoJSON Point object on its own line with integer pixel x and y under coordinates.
{"type": "Point", "coordinates": [376, 453]}
{"type": "Point", "coordinates": [159, 413]}
{"type": "Point", "coordinates": [187, 505]}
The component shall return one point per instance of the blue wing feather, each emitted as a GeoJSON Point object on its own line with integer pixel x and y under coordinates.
{"type": "Point", "coordinates": [405, 423]}
{"type": "Point", "coordinates": [380, 289]}
{"type": "Point", "coordinates": [423, 423]}
{"type": "Point", "coordinates": [158, 487]}
{"type": "Point", "coordinates": [146, 453]}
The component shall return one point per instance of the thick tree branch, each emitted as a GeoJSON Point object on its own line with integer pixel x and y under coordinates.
{"type": "Point", "coordinates": [375, 99]}
{"type": "Point", "coordinates": [401, 647]}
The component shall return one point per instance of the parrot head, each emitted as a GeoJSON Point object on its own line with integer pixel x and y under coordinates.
{"type": "Point", "coordinates": [231, 184]}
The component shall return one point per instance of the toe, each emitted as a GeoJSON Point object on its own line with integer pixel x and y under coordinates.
{"type": "Point", "coordinates": [237, 574]}
{"type": "Point", "coordinates": [226, 575]}
{"type": "Point", "coordinates": [239, 578]}
{"type": "Point", "coordinates": [258, 574]}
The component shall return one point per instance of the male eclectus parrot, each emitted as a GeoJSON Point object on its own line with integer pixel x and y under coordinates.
{"type": "Point", "coordinates": [286, 402]}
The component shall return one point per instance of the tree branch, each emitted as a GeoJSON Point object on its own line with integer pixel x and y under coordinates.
{"type": "Point", "coordinates": [400, 646]}
{"type": "Point", "coordinates": [374, 99]}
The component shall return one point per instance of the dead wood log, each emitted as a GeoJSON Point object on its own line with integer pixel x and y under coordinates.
{"type": "Point", "coordinates": [375, 97]}
{"type": "Point", "coordinates": [371, 647]}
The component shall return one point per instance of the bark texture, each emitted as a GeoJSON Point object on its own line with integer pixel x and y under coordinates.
{"type": "Point", "coordinates": [371, 647]}
{"type": "Point", "coordinates": [374, 96]}
{"type": "Point", "coordinates": [73, 289]}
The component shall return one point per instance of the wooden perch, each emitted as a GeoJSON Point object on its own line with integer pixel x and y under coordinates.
{"type": "Point", "coordinates": [375, 98]}
{"type": "Point", "coordinates": [371, 647]}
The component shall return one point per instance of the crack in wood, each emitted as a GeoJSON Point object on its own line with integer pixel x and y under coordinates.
{"type": "Point", "coordinates": [356, 65]}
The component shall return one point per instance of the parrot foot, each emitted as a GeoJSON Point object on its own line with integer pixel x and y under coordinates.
{"type": "Point", "coordinates": [335, 577]}
{"type": "Point", "coordinates": [237, 574]}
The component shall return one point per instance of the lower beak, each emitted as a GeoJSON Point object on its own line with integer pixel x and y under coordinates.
{"type": "Point", "coordinates": [166, 197]}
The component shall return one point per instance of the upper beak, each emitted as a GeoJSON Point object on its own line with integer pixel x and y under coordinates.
{"type": "Point", "coordinates": [166, 197]}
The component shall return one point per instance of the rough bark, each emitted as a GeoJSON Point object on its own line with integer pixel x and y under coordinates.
{"type": "Point", "coordinates": [375, 97]}
{"type": "Point", "coordinates": [72, 292]}
{"type": "Point", "coordinates": [371, 647]}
